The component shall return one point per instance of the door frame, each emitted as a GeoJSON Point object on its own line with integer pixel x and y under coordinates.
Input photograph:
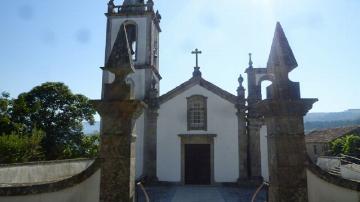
{"type": "Point", "coordinates": [197, 139]}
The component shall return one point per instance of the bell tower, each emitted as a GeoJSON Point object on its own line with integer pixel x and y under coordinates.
{"type": "Point", "coordinates": [143, 27]}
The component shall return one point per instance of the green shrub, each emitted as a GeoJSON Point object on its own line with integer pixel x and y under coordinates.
{"type": "Point", "coordinates": [352, 146]}
{"type": "Point", "coordinates": [348, 145]}
{"type": "Point", "coordinates": [337, 146]}
{"type": "Point", "coordinates": [88, 148]}
{"type": "Point", "coordinates": [17, 148]}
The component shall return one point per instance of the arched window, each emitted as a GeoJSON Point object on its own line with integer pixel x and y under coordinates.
{"type": "Point", "coordinates": [197, 112]}
{"type": "Point", "coordinates": [131, 31]}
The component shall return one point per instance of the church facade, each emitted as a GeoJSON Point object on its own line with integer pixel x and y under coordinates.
{"type": "Point", "coordinates": [196, 133]}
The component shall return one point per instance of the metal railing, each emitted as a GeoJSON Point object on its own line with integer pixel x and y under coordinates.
{"type": "Point", "coordinates": [142, 188]}
{"type": "Point", "coordinates": [264, 184]}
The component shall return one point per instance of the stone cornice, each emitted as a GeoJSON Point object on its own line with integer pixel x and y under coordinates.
{"type": "Point", "coordinates": [271, 108]}
{"type": "Point", "coordinates": [203, 83]}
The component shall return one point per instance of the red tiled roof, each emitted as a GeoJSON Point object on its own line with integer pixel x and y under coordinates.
{"type": "Point", "coordinates": [328, 135]}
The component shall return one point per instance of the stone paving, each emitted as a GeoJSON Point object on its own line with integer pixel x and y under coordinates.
{"type": "Point", "coordinates": [201, 194]}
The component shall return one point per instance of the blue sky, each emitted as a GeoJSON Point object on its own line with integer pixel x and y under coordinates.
{"type": "Point", "coordinates": [64, 41]}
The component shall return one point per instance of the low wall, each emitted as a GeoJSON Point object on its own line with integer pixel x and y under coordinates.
{"type": "Point", "coordinates": [87, 191]}
{"type": "Point", "coordinates": [83, 186]}
{"type": "Point", "coordinates": [350, 171]}
{"type": "Point", "coordinates": [324, 187]}
{"type": "Point", "coordinates": [39, 172]}
{"type": "Point", "coordinates": [328, 163]}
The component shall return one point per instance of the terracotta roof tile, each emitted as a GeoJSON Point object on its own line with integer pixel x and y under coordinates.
{"type": "Point", "coordinates": [328, 135]}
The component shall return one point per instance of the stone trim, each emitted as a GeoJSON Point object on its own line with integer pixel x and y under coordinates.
{"type": "Point", "coordinates": [203, 83]}
{"type": "Point", "coordinates": [150, 14]}
{"type": "Point", "coordinates": [197, 139]}
{"type": "Point", "coordinates": [197, 135]}
{"type": "Point", "coordinates": [43, 162]}
{"type": "Point", "coordinates": [26, 189]}
{"type": "Point", "coordinates": [332, 179]}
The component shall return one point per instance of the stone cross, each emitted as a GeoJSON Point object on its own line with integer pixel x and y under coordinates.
{"type": "Point", "coordinates": [197, 52]}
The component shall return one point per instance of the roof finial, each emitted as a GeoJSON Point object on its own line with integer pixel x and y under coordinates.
{"type": "Point", "coordinates": [241, 89]}
{"type": "Point", "coordinates": [250, 61]}
{"type": "Point", "coordinates": [196, 68]}
{"type": "Point", "coordinates": [150, 5]}
{"type": "Point", "coordinates": [111, 6]}
{"type": "Point", "coordinates": [241, 80]}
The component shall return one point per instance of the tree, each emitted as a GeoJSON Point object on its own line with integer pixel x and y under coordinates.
{"type": "Point", "coordinates": [337, 146]}
{"type": "Point", "coordinates": [89, 148]}
{"type": "Point", "coordinates": [6, 125]}
{"type": "Point", "coordinates": [352, 145]}
{"type": "Point", "coordinates": [53, 108]}
{"type": "Point", "coordinates": [348, 145]}
{"type": "Point", "coordinates": [15, 148]}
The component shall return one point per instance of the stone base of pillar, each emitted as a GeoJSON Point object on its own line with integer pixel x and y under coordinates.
{"type": "Point", "coordinates": [147, 180]}
{"type": "Point", "coordinates": [250, 181]}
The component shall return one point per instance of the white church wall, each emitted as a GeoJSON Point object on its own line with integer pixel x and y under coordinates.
{"type": "Point", "coordinates": [264, 153]}
{"type": "Point", "coordinates": [222, 121]}
{"type": "Point", "coordinates": [88, 191]}
{"type": "Point", "coordinates": [139, 145]}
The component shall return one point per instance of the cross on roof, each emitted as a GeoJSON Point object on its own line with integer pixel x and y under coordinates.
{"type": "Point", "coordinates": [197, 52]}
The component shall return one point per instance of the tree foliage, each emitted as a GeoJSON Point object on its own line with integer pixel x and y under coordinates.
{"type": "Point", "coordinates": [89, 148]}
{"type": "Point", "coordinates": [15, 148]}
{"type": "Point", "coordinates": [348, 145]}
{"type": "Point", "coordinates": [54, 109]}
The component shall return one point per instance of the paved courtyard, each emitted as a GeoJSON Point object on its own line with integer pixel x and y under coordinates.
{"type": "Point", "coordinates": [201, 194]}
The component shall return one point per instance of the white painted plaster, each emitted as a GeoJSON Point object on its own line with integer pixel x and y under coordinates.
{"type": "Point", "coordinates": [88, 191]}
{"type": "Point", "coordinates": [264, 153]}
{"type": "Point", "coordinates": [321, 191]}
{"type": "Point", "coordinates": [139, 146]}
{"type": "Point", "coordinates": [42, 172]}
{"type": "Point", "coordinates": [222, 121]}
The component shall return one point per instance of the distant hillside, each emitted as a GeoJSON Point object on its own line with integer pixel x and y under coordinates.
{"type": "Point", "coordinates": [312, 121]}
{"type": "Point", "coordinates": [315, 121]}
{"type": "Point", "coordinates": [315, 125]}
{"type": "Point", "coordinates": [351, 114]}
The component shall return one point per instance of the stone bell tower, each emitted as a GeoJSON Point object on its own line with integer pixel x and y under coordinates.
{"type": "Point", "coordinates": [142, 25]}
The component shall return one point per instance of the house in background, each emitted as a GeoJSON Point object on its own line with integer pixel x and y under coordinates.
{"type": "Point", "coordinates": [318, 141]}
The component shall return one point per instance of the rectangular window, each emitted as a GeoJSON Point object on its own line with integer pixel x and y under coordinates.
{"type": "Point", "coordinates": [197, 113]}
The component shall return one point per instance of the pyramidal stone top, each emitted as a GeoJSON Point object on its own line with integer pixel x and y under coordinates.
{"type": "Point", "coordinates": [120, 62]}
{"type": "Point", "coordinates": [281, 55]}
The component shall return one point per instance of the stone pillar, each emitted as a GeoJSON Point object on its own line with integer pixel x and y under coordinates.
{"type": "Point", "coordinates": [242, 133]}
{"type": "Point", "coordinates": [118, 111]}
{"type": "Point", "coordinates": [283, 111]}
{"type": "Point", "coordinates": [254, 127]}
{"type": "Point", "coordinates": [286, 146]}
{"type": "Point", "coordinates": [117, 152]}
{"type": "Point", "coordinates": [150, 135]}
{"type": "Point", "coordinates": [254, 122]}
